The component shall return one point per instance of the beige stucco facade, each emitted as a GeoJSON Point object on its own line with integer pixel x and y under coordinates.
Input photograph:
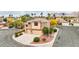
{"type": "Point", "coordinates": [35, 26]}
{"type": "Point", "coordinates": [1, 18]}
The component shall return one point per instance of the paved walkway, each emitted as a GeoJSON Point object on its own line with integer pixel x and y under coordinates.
{"type": "Point", "coordinates": [69, 37]}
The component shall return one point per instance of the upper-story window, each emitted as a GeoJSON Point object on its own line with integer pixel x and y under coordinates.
{"type": "Point", "coordinates": [35, 23]}
{"type": "Point", "coordinates": [26, 25]}
{"type": "Point", "coordinates": [29, 23]}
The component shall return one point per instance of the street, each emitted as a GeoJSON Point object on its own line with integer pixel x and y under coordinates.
{"type": "Point", "coordinates": [6, 39]}
{"type": "Point", "coordinates": [67, 37]}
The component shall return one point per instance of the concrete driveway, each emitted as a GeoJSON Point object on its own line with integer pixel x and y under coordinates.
{"type": "Point", "coordinates": [69, 37]}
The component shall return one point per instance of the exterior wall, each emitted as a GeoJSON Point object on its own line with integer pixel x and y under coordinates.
{"type": "Point", "coordinates": [31, 28]}
{"type": "Point", "coordinates": [45, 24]}
{"type": "Point", "coordinates": [36, 32]}
{"type": "Point", "coordinates": [1, 19]}
{"type": "Point", "coordinates": [1, 25]}
{"type": "Point", "coordinates": [36, 27]}
{"type": "Point", "coordinates": [76, 24]}
{"type": "Point", "coordinates": [65, 24]}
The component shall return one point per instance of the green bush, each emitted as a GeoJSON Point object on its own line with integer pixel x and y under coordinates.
{"type": "Point", "coordinates": [17, 34]}
{"type": "Point", "coordinates": [22, 31]}
{"type": "Point", "coordinates": [45, 31]}
{"type": "Point", "coordinates": [11, 26]}
{"type": "Point", "coordinates": [50, 30]}
{"type": "Point", "coordinates": [36, 39]}
{"type": "Point", "coordinates": [55, 30]}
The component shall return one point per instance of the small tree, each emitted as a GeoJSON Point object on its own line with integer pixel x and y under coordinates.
{"type": "Point", "coordinates": [50, 30]}
{"type": "Point", "coordinates": [45, 31]}
{"type": "Point", "coordinates": [32, 14]}
{"type": "Point", "coordinates": [5, 19]}
{"type": "Point", "coordinates": [53, 22]}
{"type": "Point", "coordinates": [49, 16]}
{"type": "Point", "coordinates": [11, 25]}
{"type": "Point", "coordinates": [23, 18]}
{"type": "Point", "coordinates": [36, 39]}
{"type": "Point", "coordinates": [18, 24]}
{"type": "Point", "coordinates": [55, 30]}
{"type": "Point", "coordinates": [41, 14]}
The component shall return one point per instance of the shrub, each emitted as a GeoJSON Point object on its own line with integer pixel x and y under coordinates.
{"type": "Point", "coordinates": [36, 39]}
{"type": "Point", "coordinates": [11, 26]}
{"type": "Point", "coordinates": [45, 31]}
{"type": "Point", "coordinates": [22, 31]}
{"type": "Point", "coordinates": [72, 24]}
{"type": "Point", "coordinates": [50, 30]}
{"type": "Point", "coordinates": [44, 39]}
{"type": "Point", "coordinates": [55, 30]}
{"type": "Point", "coordinates": [18, 34]}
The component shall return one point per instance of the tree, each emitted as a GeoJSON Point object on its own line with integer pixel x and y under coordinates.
{"type": "Point", "coordinates": [18, 24]}
{"type": "Point", "coordinates": [54, 15]}
{"type": "Point", "coordinates": [45, 31]}
{"type": "Point", "coordinates": [50, 30]}
{"type": "Point", "coordinates": [23, 18]}
{"type": "Point", "coordinates": [49, 16]}
{"type": "Point", "coordinates": [32, 14]}
{"type": "Point", "coordinates": [63, 14]}
{"type": "Point", "coordinates": [5, 19]}
{"type": "Point", "coordinates": [11, 25]}
{"type": "Point", "coordinates": [41, 14]}
{"type": "Point", "coordinates": [27, 15]}
{"type": "Point", "coordinates": [53, 22]}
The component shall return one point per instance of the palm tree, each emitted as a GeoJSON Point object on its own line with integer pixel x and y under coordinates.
{"type": "Point", "coordinates": [32, 14]}
{"type": "Point", "coordinates": [49, 16]}
{"type": "Point", "coordinates": [63, 15]}
{"type": "Point", "coordinates": [41, 14]}
{"type": "Point", "coordinates": [54, 16]}
{"type": "Point", "coordinates": [18, 24]}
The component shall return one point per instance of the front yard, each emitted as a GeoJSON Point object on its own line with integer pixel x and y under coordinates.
{"type": "Point", "coordinates": [36, 39]}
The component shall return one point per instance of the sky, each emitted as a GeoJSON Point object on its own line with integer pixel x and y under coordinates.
{"type": "Point", "coordinates": [19, 13]}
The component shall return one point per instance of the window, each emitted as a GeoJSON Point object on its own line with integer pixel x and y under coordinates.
{"type": "Point", "coordinates": [29, 23]}
{"type": "Point", "coordinates": [26, 25]}
{"type": "Point", "coordinates": [35, 23]}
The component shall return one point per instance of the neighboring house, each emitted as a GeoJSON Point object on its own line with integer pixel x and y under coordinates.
{"type": "Point", "coordinates": [1, 18]}
{"type": "Point", "coordinates": [63, 22]}
{"type": "Point", "coordinates": [2, 24]}
{"type": "Point", "coordinates": [36, 25]}
{"type": "Point", "coordinates": [75, 21]}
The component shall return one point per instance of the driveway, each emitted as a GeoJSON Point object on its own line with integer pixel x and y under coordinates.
{"type": "Point", "coordinates": [6, 39]}
{"type": "Point", "coordinates": [67, 37]}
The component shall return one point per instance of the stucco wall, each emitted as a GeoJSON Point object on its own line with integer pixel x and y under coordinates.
{"type": "Point", "coordinates": [76, 24]}
{"type": "Point", "coordinates": [65, 24]}
{"type": "Point", "coordinates": [37, 32]}
{"type": "Point", "coordinates": [36, 27]}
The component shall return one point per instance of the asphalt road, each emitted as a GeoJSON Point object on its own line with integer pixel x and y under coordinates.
{"type": "Point", "coordinates": [6, 39]}
{"type": "Point", "coordinates": [67, 37]}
